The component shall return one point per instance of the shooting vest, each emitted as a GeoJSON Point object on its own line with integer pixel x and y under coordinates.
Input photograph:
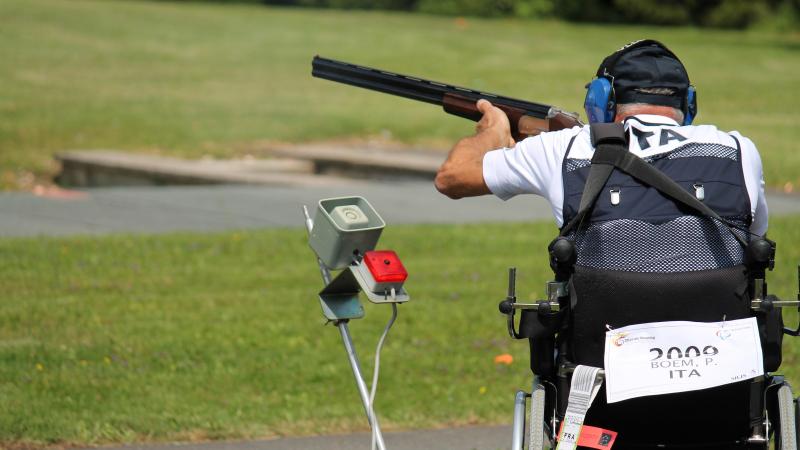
{"type": "Point", "coordinates": [634, 228]}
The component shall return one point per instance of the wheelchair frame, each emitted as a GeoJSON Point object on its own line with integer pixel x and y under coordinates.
{"type": "Point", "coordinates": [778, 409]}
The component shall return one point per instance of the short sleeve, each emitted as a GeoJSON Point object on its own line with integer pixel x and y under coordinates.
{"type": "Point", "coordinates": [533, 166]}
{"type": "Point", "coordinates": [754, 181]}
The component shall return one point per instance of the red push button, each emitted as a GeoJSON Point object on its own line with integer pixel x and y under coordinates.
{"type": "Point", "coordinates": [385, 266]}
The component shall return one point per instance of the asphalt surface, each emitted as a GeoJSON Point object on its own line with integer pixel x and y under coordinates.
{"type": "Point", "coordinates": [466, 438]}
{"type": "Point", "coordinates": [218, 208]}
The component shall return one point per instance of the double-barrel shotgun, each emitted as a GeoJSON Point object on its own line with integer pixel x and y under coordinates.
{"type": "Point", "coordinates": [526, 118]}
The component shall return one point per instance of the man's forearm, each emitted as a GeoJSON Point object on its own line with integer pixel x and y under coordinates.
{"type": "Point", "coordinates": [461, 175]}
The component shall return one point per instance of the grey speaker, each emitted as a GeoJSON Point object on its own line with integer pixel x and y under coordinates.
{"type": "Point", "coordinates": [344, 227]}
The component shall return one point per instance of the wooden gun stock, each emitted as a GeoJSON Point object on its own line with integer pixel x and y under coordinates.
{"type": "Point", "coordinates": [522, 123]}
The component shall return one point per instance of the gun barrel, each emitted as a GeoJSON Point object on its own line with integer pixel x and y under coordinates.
{"type": "Point", "coordinates": [413, 87]}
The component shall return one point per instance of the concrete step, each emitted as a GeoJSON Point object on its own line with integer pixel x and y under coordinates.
{"type": "Point", "coordinates": [365, 162]}
{"type": "Point", "coordinates": [98, 168]}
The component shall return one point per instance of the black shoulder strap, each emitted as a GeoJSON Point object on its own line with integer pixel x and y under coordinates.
{"type": "Point", "coordinates": [607, 139]}
{"type": "Point", "coordinates": [611, 152]}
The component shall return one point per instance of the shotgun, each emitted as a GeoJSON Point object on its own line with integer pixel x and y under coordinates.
{"type": "Point", "coordinates": [527, 118]}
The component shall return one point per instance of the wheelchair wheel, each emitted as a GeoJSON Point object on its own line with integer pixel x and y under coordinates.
{"type": "Point", "coordinates": [786, 434]}
{"type": "Point", "coordinates": [538, 439]}
{"type": "Point", "coordinates": [797, 416]}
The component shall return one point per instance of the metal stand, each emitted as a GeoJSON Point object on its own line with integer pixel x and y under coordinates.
{"type": "Point", "coordinates": [362, 386]}
{"type": "Point", "coordinates": [344, 330]}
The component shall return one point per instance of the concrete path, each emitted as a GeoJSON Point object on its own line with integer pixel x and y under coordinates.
{"type": "Point", "coordinates": [217, 208]}
{"type": "Point", "coordinates": [466, 438]}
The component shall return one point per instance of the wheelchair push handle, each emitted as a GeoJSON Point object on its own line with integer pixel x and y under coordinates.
{"type": "Point", "coordinates": [760, 256]}
{"type": "Point", "coordinates": [563, 257]}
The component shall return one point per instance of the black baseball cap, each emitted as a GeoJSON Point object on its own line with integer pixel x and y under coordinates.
{"type": "Point", "coordinates": [646, 71]}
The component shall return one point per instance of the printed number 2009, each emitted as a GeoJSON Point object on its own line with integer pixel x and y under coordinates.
{"type": "Point", "coordinates": [691, 351]}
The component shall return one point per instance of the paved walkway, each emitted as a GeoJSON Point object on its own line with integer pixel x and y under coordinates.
{"type": "Point", "coordinates": [466, 438]}
{"type": "Point", "coordinates": [217, 208]}
{"type": "Point", "coordinates": [214, 208]}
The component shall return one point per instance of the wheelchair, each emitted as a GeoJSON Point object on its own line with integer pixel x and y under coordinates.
{"type": "Point", "coordinates": [566, 329]}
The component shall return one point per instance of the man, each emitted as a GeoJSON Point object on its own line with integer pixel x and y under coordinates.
{"type": "Point", "coordinates": [641, 257]}
{"type": "Point", "coordinates": [647, 88]}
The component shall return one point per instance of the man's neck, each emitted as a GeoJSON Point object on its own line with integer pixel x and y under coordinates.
{"type": "Point", "coordinates": [654, 110]}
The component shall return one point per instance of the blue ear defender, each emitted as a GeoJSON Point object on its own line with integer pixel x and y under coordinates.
{"type": "Point", "coordinates": [601, 107]}
{"type": "Point", "coordinates": [599, 103]}
{"type": "Point", "coordinates": [690, 111]}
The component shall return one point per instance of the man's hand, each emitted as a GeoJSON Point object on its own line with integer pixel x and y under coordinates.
{"type": "Point", "coordinates": [461, 175]}
{"type": "Point", "coordinates": [495, 124]}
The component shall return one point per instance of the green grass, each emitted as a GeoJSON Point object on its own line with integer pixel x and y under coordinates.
{"type": "Point", "coordinates": [190, 336]}
{"type": "Point", "coordinates": [194, 79]}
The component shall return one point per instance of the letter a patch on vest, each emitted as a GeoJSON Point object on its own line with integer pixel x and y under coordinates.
{"type": "Point", "coordinates": [669, 135]}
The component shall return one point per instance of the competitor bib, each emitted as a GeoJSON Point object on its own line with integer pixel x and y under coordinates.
{"type": "Point", "coordinates": [668, 357]}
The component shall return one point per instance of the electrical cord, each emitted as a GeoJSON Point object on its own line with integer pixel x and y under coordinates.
{"type": "Point", "coordinates": [375, 373]}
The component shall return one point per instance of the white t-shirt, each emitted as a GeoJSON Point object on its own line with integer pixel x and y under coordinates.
{"type": "Point", "coordinates": [534, 165]}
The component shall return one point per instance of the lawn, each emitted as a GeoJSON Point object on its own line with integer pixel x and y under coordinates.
{"type": "Point", "coordinates": [195, 79]}
{"type": "Point", "coordinates": [193, 336]}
